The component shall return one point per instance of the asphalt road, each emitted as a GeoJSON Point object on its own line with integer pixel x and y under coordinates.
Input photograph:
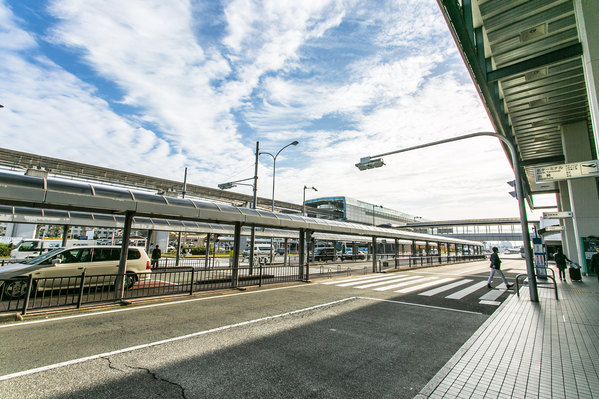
{"type": "Point", "coordinates": [318, 340]}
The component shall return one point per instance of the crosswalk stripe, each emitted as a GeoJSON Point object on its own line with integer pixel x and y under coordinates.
{"type": "Point", "coordinates": [492, 303]}
{"type": "Point", "coordinates": [466, 291]}
{"type": "Point", "coordinates": [475, 270]}
{"type": "Point", "coordinates": [349, 279]}
{"type": "Point", "coordinates": [491, 295]}
{"type": "Point", "coordinates": [395, 284]}
{"type": "Point", "coordinates": [425, 285]}
{"type": "Point", "coordinates": [445, 288]}
{"type": "Point", "coordinates": [363, 281]}
{"type": "Point", "coordinates": [402, 284]}
{"type": "Point", "coordinates": [395, 280]}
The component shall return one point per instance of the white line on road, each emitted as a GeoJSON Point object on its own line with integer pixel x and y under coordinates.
{"type": "Point", "coordinates": [419, 305]}
{"type": "Point", "coordinates": [168, 340]}
{"type": "Point", "coordinates": [404, 283]}
{"type": "Point", "coordinates": [492, 295]}
{"type": "Point", "coordinates": [444, 288]}
{"type": "Point", "coordinates": [153, 305]}
{"type": "Point", "coordinates": [467, 291]}
{"type": "Point", "coordinates": [395, 280]}
{"type": "Point", "coordinates": [425, 285]}
{"type": "Point", "coordinates": [364, 281]}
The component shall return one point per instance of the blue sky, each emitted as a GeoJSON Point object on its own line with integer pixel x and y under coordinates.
{"type": "Point", "coordinates": [152, 87]}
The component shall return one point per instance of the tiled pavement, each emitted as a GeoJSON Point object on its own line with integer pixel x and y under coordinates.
{"type": "Point", "coordinates": [548, 349]}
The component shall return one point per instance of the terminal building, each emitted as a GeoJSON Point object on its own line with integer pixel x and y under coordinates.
{"type": "Point", "coordinates": [348, 209]}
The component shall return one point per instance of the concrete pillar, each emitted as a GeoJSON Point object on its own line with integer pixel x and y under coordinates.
{"type": "Point", "coordinates": [587, 16]}
{"type": "Point", "coordinates": [236, 252]}
{"type": "Point", "coordinates": [563, 204]}
{"type": "Point", "coordinates": [301, 252]}
{"type": "Point", "coordinates": [374, 268]}
{"type": "Point", "coordinates": [582, 192]}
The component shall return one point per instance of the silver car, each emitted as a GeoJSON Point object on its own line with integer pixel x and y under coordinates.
{"type": "Point", "coordinates": [51, 269]}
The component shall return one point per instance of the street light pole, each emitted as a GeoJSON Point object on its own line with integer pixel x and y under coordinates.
{"type": "Point", "coordinates": [228, 185]}
{"type": "Point", "coordinates": [178, 255]}
{"type": "Point", "coordinates": [274, 170]}
{"type": "Point", "coordinates": [376, 161]}
{"type": "Point", "coordinates": [304, 201]}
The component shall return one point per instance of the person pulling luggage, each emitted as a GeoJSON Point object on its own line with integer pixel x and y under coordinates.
{"type": "Point", "coordinates": [560, 261]}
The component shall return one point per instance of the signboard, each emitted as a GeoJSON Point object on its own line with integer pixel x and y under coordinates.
{"type": "Point", "coordinates": [557, 215]}
{"type": "Point", "coordinates": [554, 228]}
{"type": "Point", "coordinates": [567, 171]}
{"type": "Point", "coordinates": [589, 246]}
{"type": "Point", "coordinates": [540, 258]}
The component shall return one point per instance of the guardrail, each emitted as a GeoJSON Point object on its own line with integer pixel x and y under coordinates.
{"type": "Point", "coordinates": [28, 293]}
{"type": "Point", "coordinates": [540, 284]}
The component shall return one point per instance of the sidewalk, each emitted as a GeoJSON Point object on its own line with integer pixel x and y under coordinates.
{"type": "Point", "coordinates": [548, 349]}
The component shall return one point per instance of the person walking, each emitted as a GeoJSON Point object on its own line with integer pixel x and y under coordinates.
{"type": "Point", "coordinates": [156, 254]}
{"type": "Point", "coordinates": [595, 262]}
{"type": "Point", "coordinates": [560, 262]}
{"type": "Point", "coordinates": [495, 268]}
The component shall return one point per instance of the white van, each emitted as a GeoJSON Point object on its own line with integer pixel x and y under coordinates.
{"type": "Point", "coordinates": [260, 250]}
{"type": "Point", "coordinates": [33, 247]}
{"type": "Point", "coordinates": [52, 269]}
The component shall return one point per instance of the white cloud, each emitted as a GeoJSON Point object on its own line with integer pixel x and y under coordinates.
{"type": "Point", "coordinates": [189, 102]}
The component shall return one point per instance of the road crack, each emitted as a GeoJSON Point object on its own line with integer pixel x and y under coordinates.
{"type": "Point", "coordinates": [158, 378]}
{"type": "Point", "coordinates": [110, 366]}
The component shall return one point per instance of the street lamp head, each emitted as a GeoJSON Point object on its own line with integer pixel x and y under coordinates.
{"type": "Point", "coordinates": [226, 186]}
{"type": "Point", "coordinates": [295, 142]}
{"type": "Point", "coordinates": [369, 163]}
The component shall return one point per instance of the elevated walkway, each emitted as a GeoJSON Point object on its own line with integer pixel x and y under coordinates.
{"type": "Point", "coordinates": [529, 350]}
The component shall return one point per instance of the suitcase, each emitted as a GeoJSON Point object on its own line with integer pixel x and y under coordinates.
{"type": "Point", "coordinates": [575, 274]}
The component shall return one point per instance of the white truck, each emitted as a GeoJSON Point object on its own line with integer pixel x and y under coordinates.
{"type": "Point", "coordinates": [33, 247]}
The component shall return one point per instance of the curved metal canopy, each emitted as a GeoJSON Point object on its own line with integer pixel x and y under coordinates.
{"type": "Point", "coordinates": [83, 201]}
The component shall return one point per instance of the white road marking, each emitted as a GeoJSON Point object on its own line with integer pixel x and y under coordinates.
{"type": "Point", "coordinates": [444, 288]}
{"type": "Point", "coordinates": [403, 284]}
{"type": "Point", "coordinates": [350, 279]}
{"type": "Point", "coordinates": [425, 285]}
{"type": "Point", "coordinates": [164, 341]}
{"type": "Point", "coordinates": [153, 305]}
{"type": "Point", "coordinates": [395, 280]}
{"type": "Point", "coordinates": [492, 295]}
{"type": "Point", "coordinates": [466, 291]}
{"type": "Point", "coordinates": [419, 305]}
{"type": "Point", "coordinates": [363, 281]}
{"type": "Point", "coordinates": [492, 303]}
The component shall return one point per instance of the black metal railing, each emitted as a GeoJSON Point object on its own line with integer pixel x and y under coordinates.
{"type": "Point", "coordinates": [28, 293]}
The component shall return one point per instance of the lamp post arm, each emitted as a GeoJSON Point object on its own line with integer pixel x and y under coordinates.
{"type": "Point", "coordinates": [532, 282]}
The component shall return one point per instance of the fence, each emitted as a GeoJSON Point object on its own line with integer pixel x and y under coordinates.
{"type": "Point", "coordinates": [26, 294]}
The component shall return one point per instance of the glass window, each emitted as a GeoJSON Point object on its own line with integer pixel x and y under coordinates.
{"type": "Point", "coordinates": [106, 254]}
{"type": "Point", "coordinates": [29, 246]}
{"type": "Point", "coordinates": [74, 255]}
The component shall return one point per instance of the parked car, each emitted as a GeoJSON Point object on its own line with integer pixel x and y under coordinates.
{"type": "Point", "coordinates": [324, 254]}
{"type": "Point", "coordinates": [60, 263]}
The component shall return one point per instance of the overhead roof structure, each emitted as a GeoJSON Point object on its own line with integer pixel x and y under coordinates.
{"type": "Point", "coordinates": [467, 222]}
{"type": "Point", "coordinates": [54, 195]}
{"type": "Point", "coordinates": [525, 58]}
{"type": "Point", "coordinates": [17, 160]}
